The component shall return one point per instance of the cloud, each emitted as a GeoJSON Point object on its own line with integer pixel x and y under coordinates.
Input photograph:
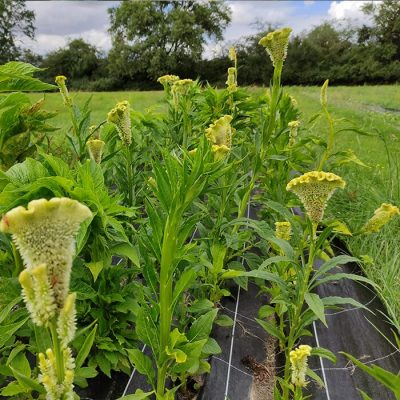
{"type": "Point", "coordinates": [58, 22]}
{"type": "Point", "coordinates": [309, 2]}
{"type": "Point", "coordinates": [349, 10]}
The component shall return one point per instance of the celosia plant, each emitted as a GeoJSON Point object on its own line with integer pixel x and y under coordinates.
{"type": "Point", "coordinates": [120, 117]}
{"type": "Point", "coordinates": [276, 44]}
{"type": "Point", "coordinates": [381, 217]}
{"type": "Point", "coordinates": [220, 132]}
{"type": "Point", "coordinates": [60, 81]}
{"type": "Point", "coordinates": [231, 81]}
{"type": "Point", "coordinates": [298, 363]}
{"type": "Point", "coordinates": [314, 189]}
{"type": "Point", "coordinates": [45, 236]}
{"type": "Point", "coordinates": [95, 149]}
{"type": "Point", "coordinates": [283, 230]}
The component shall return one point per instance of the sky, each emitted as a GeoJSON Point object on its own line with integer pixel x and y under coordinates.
{"type": "Point", "coordinates": [57, 22]}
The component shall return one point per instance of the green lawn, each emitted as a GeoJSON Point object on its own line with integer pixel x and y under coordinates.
{"type": "Point", "coordinates": [373, 109]}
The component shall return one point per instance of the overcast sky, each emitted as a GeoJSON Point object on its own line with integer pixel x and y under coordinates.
{"type": "Point", "coordinates": [59, 21]}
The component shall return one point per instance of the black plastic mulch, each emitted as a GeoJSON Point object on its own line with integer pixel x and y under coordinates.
{"type": "Point", "coordinates": [354, 331]}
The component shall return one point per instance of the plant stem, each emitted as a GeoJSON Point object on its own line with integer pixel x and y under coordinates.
{"type": "Point", "coordinates": [331, 139]}
{"type": "Point", "coordinates": [57, 352]}
{"type": "Point", "coordinates": [17, 260]}
{"type": "Point", "coordinates": [128, 160]}
{"type": "Point", "coordinates": [167, 258]}
{"type": "Point", "coordinates": [299, 306]}
{"type": "Point", "coordinates": [276, 86]}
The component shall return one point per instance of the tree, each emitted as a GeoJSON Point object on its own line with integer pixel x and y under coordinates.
{"type": "Point", "coordinates": [15, 20]}
{"type": "Point", "coordinates": [76, 61]}
{"type": "Point", "coordinates": [153, 38]}
{"type": "Point", "coordinates": [386, 30]}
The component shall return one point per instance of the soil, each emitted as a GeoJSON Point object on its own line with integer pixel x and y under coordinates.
{"type": "Point", "coordinates": [264, 373]}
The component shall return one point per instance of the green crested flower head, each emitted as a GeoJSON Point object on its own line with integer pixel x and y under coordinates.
{"type": "Point", "coordinates": [231, 81]}
{"type": "Point", "coordinates": [293, 130]}
{"type": "Point", "coordinates": [180, 89]}
{"type": "Point", "coordinates": [232, 55]}
{"type": "Point", "coordinates": [168, 79]}
{"type": "Point", "coordinates": [298, 363]}
{"type": "Point", "coordinates": [60, 81]}
{"type": "Point", "coordinates": [220, 132]}
{"type": "Point", "coordinates": [120, 116]}
{"type": "Point", "coordinates": [381, 217]}
{"type": "Point", "coordinates": [283, 230]}
{"type": "Point", "coordinates": [219, 151]}
{"type": "Point", "coordinates": [324, 94]}
{"type": "Point", "coordinates": [276, 44]}
{"type": "Point", "coordinates": [95, 149]}
{"type": "Point", "coordinates": [45, 234]}
{"type": "Point", "coordinates": [314, 189]}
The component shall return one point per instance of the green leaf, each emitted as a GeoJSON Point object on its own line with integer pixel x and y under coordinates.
{"type": "Point", "coordinates": [201, 327]}
{"type": "Point", "coordinates": [388, 379]}
{"type": "Point", "coordinates": [335, 300]}
{"type": "Point", "coordinates": [142, 363]}
{"type": "Point", "coordinates": [316, 305]}
{"type": "Point", "coordinates": [272, 329]}
{"type": "Point", "coordinates": [127, 250]}
{"type": "Point", "coordinates": [86, 372]}
{"type": "Point", "coordinates": [6, 331]}
{"type": "Point", "coordinates": [7, 309]}
{"type": "Point", "coordinates": [201, 306]}
{"type": "Point", "coordinates": [85, 349]}
{"type": "Point", "coordinates": [95, 268]}
{"type": "Point", "coordinates": [224, 320]}
{"type": "Point", "coordinates": [183, 283]}
{"type": "Point", "coordinates": [139, 395]}
{"type": "Point", "coordinates": [27, 381]}
{"type": "Point", "coordinates": [12, 389]}
{"type": "Point", "coordinates": [42, 337]}
{"type": "Point", "coordinates": [314, 376]}
{"type": "Point", "coordinates": [324, 353]}
{"type": "Point", "coordinates": [364, 395]}
{"type": "Point", "coordinates": [211, 347]}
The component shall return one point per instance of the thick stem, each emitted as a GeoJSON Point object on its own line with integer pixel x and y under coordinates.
{"type": "Point", "coordinates": [167, 258]}
{"type": "Point", "coordinates": [128, 160]}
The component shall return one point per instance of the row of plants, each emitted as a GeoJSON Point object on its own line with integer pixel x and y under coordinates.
{"type": "Point", "coordinates": [130, 235]}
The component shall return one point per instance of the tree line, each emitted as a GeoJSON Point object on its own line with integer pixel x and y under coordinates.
{"type": "Point", "coordinates": [151, 39]}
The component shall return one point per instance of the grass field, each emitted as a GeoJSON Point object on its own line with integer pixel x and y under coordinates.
{"type": "Point", "coordinates": [373, 109]}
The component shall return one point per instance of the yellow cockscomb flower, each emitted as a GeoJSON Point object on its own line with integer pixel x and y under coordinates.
{"type": "Point", "coordinates": [298, 363]}
{"type": "Point", "coordinates": [45, 234]}
{"type": "Point", "coordinates": [232, 55]}
{"type": "Point", "coordinates": [293, 130]}
{"type": "Point", "coordinates": [381, 217]}
{"type": "Point", "coordinates": [314, 189]}
{"type": "Point", "coordinates": [219, 151]}
{"type": "Point", "coordinates": [168, 79]}
{"type": "Point", "coordinates": [120, 116]}
{"type": "Point", "coordinates": [60, 81]}
{"type": "Point", "coordinates": [231, 81]}
{"type": "Point", "coordinates": [283, 230]}
{"type": "Point", "coordinates": [95, 149]}
{"type": "Point", "coordinates": [220, 132]}
{"type": "Point", "coordinates": [276, 44]}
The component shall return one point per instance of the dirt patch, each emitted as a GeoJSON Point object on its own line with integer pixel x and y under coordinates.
{"type": "Point", "coordinates": [264, 373]}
